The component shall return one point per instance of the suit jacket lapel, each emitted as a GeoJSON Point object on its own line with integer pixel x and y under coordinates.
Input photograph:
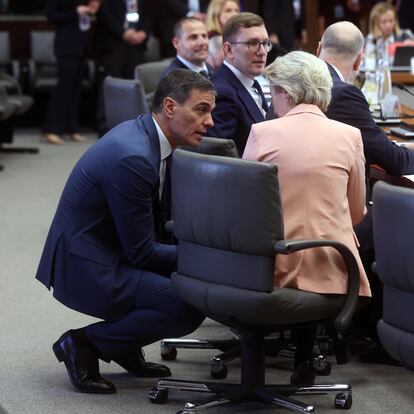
{"type": "Point", "coordinates": [245, 97]}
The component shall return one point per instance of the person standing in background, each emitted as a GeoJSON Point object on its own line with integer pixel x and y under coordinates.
{"type": "Point", "coordinates": [72, 19]}
{"type": "Point", "coordinates": [122, 32]}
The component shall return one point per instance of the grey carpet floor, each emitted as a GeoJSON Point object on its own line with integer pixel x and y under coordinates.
{"type": "Point", "coordinates": [31, 379]}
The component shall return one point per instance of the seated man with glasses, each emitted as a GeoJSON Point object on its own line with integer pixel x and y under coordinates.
{"type": "Point", "coordinates": [240, 101]}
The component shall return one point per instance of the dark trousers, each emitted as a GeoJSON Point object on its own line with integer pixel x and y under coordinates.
{"type": "Point", "coordinates": [157, 313]}
{"type": "Point", "coordinates": [63, 112]}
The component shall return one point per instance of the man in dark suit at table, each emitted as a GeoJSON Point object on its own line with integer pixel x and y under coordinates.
{"type": "Point", "coordinates": [102, 256]}
{"type": "Point", "coordinates": [240, 99]}
{"type": "Point", "coordinates": [341, 47]}
{"type": "Point", "coordinates": [191, 43]}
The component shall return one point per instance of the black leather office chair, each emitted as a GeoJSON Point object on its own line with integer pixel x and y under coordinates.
{"type": "Point", "coordinates": [124, 100]}
{"type": "Point", "coordinates": [149, 75]}
{"type": "Point", "coordinates": [229, 224]}
{"type": "Point", "coordinates": [393, 212]}
{"type": "Point", "coordinates": [42, 72]}
{"type": "Point", "coordinates": [12, 100]}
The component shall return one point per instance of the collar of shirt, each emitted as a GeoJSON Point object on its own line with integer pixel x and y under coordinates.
{"type": "Point", "coordinates": [191, 66]}
{"type": "Point", "coordinates": [248, 84]}
{"type": "Point", "coordinates": [338, 72]}
{"type": "Point", "coordinates": [245, 80]}
{"type": "Point", "coordinates": [165, 151]}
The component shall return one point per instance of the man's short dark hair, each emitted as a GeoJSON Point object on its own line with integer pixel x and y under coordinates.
{"type": "Point", "coordinates": [245, 20]}
{"type": "Point", "coordinates": [178, 86]}
{"type": "Point", "coordinates": [178, 27]}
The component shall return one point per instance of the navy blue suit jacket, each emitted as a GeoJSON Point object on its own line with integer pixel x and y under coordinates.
{"type": "Point", "coordinates": [103, 234]}
{"type": "Point", "coordinates": [110, 24]}
{"type": "Point", "coordinates": [348, 105]}
{"type": "Point", "coordinates": [177, 64]}
{"type": "Point", "coordinates": [235, 110]}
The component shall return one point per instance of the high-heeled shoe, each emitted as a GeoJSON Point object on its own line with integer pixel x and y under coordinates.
{"type": "Point", "coordinates": [77, 137]}
{"type": "Point", "coordinates": [53, 139]}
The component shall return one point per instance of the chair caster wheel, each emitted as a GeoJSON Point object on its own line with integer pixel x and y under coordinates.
{"type": "Point", "coordinates": [218, 370]}
{"type": "Point", "coordinates": [321, 365]}
{"type": "Point", "coordinates": [189, 408]}
{"type": "Point", "coordinates": [343, 401]}
{"type": "Point", "coordinates": [158, 395]}
{"type": "Point", "coordinates": [168, 353]}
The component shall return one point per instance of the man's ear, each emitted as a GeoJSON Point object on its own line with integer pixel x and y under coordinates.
{"type": "Point", "coordinates": [358, 61]}
{"type": "Point", "coordinates": [169, 105]}
{"type": "Point", "coordinates": [318, 49]}
{"type": "Point", "coordinates": [175, 42]}
{"type": "Point", "coordinates": [227, 50]}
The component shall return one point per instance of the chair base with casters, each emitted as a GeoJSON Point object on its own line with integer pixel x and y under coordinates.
{"type": "Point", "coordinates": [252, 386]}
{"type": "Point", "coordinates": [230, 350]}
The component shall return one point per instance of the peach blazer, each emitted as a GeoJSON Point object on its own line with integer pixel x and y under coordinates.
{"type": "Point", "coordinates": [322, 182]}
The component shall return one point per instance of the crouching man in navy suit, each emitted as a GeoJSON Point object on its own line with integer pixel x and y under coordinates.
{"type": "Point", "coordinates": [102, 256]}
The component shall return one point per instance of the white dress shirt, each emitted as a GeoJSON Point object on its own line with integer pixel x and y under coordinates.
{"type": "Point", "coordinates": [165, 151]}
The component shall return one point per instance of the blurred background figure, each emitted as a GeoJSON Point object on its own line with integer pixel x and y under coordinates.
{"type": "Point", "coordinates": [72, 19]}
{"type": "Point", "coordinates": [384, 26]}
{"type": "Point", "coordinates": [332, 11]}
{"type": "Point", "coordinates": [121, 37]}
{"type": "Point", "coordinates": [279, 17]}
{"type": "Point", "coordinates": [215, 51]}
{"type": "Point", "coordinates": [169, 13]}
{"type": "Point", "coordinates": [218, 13]}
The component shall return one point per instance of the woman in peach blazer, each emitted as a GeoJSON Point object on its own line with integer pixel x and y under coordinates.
{"type": "Point", "coordinates": [321, 173]}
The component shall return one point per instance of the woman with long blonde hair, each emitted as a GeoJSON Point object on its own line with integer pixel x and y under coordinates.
{"type": "Point", "coordinates": [218, 12]}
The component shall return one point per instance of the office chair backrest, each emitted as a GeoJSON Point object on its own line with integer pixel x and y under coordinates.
{"type": "Point", "coordinates": [4, 48]}
{"type": "Point", "coordinates": [227, 216]}
{"type": "Point", "coordinates": [41, 46]}
{"type": "Point", "coordinates": [393, 213]}
{"type": "Point", "coordinates": [124, 100]}
{"type": "Point", "coordinates": [152, 52]}
{"type": "Point", "coordinates": [149, 74]}
{"type": "Point", "coordinates": [215, 146]}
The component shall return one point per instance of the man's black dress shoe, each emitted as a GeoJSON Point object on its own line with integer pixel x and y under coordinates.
{"type": "Point", "coordinates": [82, 366]}
{"type": "Point", "coordinates": [135, 364]}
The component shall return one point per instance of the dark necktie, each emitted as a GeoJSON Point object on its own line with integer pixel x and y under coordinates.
{"type": "Point", "coordinates": [204, 73]}
{"type": "Point", "coordinates": [256, 85]}
{"type": "Point", "coordinates": [165, 202]}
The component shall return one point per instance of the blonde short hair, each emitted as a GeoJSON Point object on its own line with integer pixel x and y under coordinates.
{"type": "Point", "coordinates": [304, 77]}
{"type": "Point", "coordinates": [376, 12]}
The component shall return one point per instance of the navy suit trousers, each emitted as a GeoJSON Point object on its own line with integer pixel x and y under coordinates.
{"type": "Point", "coordinates": [157, 313]}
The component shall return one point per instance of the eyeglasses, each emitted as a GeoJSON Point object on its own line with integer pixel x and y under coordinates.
{"type": "Point", "coordinates": [254, 45]}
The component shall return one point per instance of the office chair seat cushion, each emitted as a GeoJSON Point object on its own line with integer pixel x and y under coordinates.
{"type": "Point", "coordinates": [282, 306]}
{"type": "Point", "coordinates": [398, 343]}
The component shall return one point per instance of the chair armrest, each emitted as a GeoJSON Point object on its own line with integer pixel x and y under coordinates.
{"type": "Point", "coordinates": [343, 319]}
{"type": "Point", "coordinates": [11, 84]}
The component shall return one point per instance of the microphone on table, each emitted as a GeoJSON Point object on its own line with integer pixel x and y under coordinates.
{"type": "Point", "coordinates": [403, 88]}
